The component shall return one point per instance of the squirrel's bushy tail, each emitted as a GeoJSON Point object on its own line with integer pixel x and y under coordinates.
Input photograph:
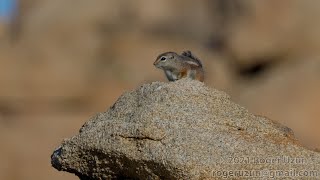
{"type": "Point", "coordinates": [190, 55]}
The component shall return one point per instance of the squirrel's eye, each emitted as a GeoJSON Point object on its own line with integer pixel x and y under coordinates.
{"type": "Point", "coordinates": [163, 58]}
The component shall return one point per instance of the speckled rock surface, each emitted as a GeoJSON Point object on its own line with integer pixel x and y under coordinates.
{"type": "Point", "coordinates": [183, 130]}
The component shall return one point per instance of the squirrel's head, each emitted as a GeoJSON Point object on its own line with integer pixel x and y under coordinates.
{"type": "Point", "coordinates": [166, 59]}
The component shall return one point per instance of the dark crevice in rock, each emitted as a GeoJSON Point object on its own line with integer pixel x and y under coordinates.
{"type": "Point", "coordinates": [140, 138]}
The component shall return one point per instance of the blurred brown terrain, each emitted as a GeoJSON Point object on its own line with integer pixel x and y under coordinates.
{"type": "Point", "coordinates": [61, 62]}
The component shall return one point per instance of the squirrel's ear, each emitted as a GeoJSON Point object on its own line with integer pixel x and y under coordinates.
{"type": "Point", "coordinates": [170, 56]}
{"type": "Point", "coordinates": [192, 63]}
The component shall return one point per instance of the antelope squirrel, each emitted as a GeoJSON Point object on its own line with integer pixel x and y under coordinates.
{"type": "Point", "coordinates": [177, 66]}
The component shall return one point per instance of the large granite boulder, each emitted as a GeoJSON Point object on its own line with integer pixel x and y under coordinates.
{"type": "Point", "coordinates": [183, 130]}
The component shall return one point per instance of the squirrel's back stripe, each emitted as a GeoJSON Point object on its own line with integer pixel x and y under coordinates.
{"type": "Point", "coordinates": [191, 56]}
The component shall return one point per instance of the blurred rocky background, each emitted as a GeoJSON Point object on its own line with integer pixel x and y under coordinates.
{"type": "Point", "coordinates": [63, 61]}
